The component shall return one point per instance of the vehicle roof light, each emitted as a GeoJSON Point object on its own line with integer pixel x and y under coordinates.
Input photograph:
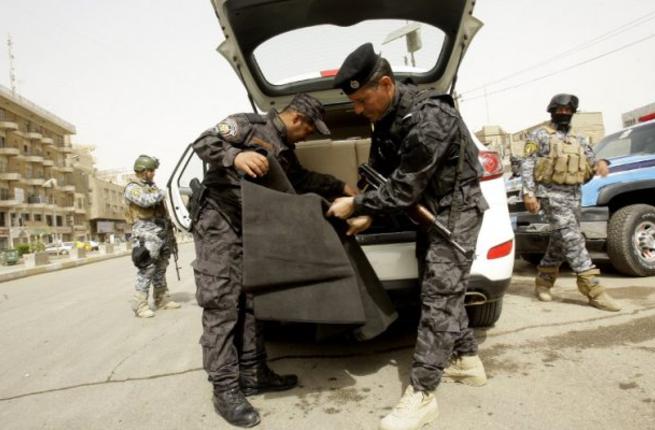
{"type": "Point", "coordinates": [329, 73]}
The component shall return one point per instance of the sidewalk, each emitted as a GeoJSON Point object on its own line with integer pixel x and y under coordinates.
{"type": "Point", "coordinates": [9, 273]}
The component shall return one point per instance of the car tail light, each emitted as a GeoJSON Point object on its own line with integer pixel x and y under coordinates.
{"type": "Point", "coordinates": [500, 250]}
{"type": "Point", "coordinates": [492, 165]}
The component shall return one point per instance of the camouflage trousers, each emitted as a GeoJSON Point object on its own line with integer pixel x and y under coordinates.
{"type": "Point", "coordinates": [566, 243]}
{"type": "Point", "coordinates": [443, 329]}
{"type": "Point", "coordinates": [155, 272]}
{"type": "Point", "coordinates": [232, 342]}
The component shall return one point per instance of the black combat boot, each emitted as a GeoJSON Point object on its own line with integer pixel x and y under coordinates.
{"type": "Point", "coordinates": [266, 380]}
{"type": "Point", "coordinates": [233, 406]}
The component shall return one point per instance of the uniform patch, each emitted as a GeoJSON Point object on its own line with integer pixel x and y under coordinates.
{"type": "Point", "coordinates": [228, 127]}
{"type": "Point", "coordinates": [530, 148]}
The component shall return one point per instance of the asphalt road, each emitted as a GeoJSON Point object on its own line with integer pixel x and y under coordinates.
{"type": "Point", "coordinates": [72, 356]}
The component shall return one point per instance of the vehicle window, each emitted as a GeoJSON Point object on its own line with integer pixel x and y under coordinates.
{"type": "Point", "coordinates": [330, 44]}
{"type": "Point", "coordinates": [640, 140]}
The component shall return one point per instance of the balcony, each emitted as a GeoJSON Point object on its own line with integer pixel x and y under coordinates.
{"type": "Point", "coordinates": [37, 202]}
{"type": "Point", "coordinates": [8, 150]}
{"type": "Point", "coordinates": [8, 125]}
{"type": "Point", "coordinates": [47, 141]}
{"type": "Point", "coordinates": [64, 149]}
{"type": "Point", "coordinates": [7, 198]}
{"type": "Point", "coordinates": [48, 163]}
{"type": "Point", "coordinates": [10, 176]}
{"type": "Point", "coordinates": [33, 135]}
{"type": "Point", "coordinates": [34, 181]}
{"type": "Point", "coordinates": [67, 188]}
{"type": "Point", "coordinates": [80, 211]}
{"type": "Point", "coordinates": [32, 158]}
{"type": "Point", "coordinates": [63, 169]}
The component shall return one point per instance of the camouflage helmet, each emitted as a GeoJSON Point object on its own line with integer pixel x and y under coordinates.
{"type": "Point", "coordinates": [563, 100]}
{"type": "Point", "coordinates": [145, 162]}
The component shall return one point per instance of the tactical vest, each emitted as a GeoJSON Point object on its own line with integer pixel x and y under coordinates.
{"type": "Point", "coordinates": [565, 164]}
{"type": "Point", "coordinates": [136, 212]}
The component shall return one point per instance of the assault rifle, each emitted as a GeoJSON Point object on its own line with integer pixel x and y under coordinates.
{"type": "Point", "coordinates": [174, 250]}
{"type": "Point", "coordinates": [418, 213]}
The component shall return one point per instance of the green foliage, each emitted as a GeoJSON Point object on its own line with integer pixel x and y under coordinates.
{"type": "Point", "coordinates": [23, 248]}
{"type": "Point", "coordinates": [37, 247]}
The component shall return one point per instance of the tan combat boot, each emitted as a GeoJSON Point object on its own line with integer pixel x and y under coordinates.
{"type": "Point", "coordinates": [162, 301]}
{"type": "Point", "coordinates": [140, 306]}
{"type": "Point", "coordinates": [415, 409]}
{"type": "Point", "coordinates": [599, 298]}
{"type": "Point", "coordinates": [545, 280]}
{"type": "Point", "coordinates": [466, 369]}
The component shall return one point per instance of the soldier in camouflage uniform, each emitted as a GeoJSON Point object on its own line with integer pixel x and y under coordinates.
{"type": "Point", "coordinates": [233, 347]}
{"type": "Point", "coordinates": [421, 144]}
{"type": "Point", "coordinates": [151, 233]}
{"type": "Point", "coordinates": [557, 163]}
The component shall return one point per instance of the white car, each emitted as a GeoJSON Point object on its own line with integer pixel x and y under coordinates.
{"type": "Point", "coordinates": [268, 43]}
{"type": "Point", "coordinates": [61, 248]}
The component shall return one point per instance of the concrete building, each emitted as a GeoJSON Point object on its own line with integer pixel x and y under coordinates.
{"type": "Point", "coordinates": [108, 210]}
{"type": "Point", "coordinates": [39, 199]}
{"type": "Point", "coordinates": [105, 206]}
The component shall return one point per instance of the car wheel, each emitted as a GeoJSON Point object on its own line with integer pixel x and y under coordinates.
{"type": "Point", "coordinates": [631, 240]}
{"type": "Point", "coordinates": [484, 315]}
{"type": "Point", "coordinates": [533, 259]}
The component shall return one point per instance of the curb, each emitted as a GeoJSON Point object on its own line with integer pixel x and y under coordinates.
{"type": "Point", "coordinates": [52, 267]}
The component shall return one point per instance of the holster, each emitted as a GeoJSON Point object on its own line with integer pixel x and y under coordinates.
{"type": "Point", "coordinates": [198, 195]}
{"type": "Point", "coordinates": [141, 256]}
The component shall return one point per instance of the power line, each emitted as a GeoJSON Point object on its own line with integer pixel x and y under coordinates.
{"type": "Point", "coordinates": [502, 90]}
{"type": "Point", "coordinates": [584, 45]}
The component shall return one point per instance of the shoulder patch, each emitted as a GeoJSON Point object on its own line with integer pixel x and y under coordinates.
{"type": "Point", "coordinates": [228, 127]}
{"type": "Point", "coordinates": [530, 148]}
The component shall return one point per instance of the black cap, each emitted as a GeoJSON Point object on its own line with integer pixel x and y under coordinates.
{"type": "Point", "coordinates": [312, 108]}
{"type": "Point", "coordinates": [356, 69]}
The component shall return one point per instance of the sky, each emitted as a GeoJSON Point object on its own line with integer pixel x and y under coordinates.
{"type": "Point", "coordinates": [143, 76]}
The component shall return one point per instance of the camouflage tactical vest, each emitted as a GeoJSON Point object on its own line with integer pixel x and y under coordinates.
{"type": "Point", "coordinates": [565, 164]}
{"type": "Point", "coordinates": [136, 212]}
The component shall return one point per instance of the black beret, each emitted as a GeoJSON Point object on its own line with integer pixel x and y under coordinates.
{"type": "Point", "coordinates": [356, 69]}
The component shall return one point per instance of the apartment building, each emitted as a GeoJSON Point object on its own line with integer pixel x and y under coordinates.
{"type": "Point", "coordinates": [39, 199]}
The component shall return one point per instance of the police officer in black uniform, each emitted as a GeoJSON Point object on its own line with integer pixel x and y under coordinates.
{"type": "Point", "coordinates": [421, 144]}
{"type": "Point", "coordinates": [233, 348]}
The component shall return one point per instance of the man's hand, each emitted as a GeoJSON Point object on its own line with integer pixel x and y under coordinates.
{"type": "Point", "coordinates": [531, 204]}
{"type": "Point", "coordinates": [251, 163]}
{"type": "Point", "coordinates": [342, 207]}
{"type": "Point", "coordinates": [358, 224]}
{"type": "Point", "coordinates": [349, 191]}
{"type": "Point", "coordinates": [602, 168]}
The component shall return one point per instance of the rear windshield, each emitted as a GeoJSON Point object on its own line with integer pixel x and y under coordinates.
{"type": "Point", "coordinates": [633, 141]}
{"type": "Point", "coordinates": [313, 52]}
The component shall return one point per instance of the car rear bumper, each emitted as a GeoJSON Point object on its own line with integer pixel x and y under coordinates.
{"type": "Point", "coordinates": [491, 290]}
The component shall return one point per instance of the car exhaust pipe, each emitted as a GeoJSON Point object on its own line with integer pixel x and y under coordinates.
{"type": "Point", "coordinates": [474, 298]}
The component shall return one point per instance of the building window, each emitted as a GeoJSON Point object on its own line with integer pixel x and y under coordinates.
{"type": "Point", "coordinates": [2, 141]}
{"type": "Point", "coordinates": [38, 218]}
{"type": "Point", "coordinates": [60, 221]}
{"type": "Point", "coordinates": [26, 217]}
{"type": "Point", "coordinates": [3, 218]}
{"type": "Point", "coordinates": [48, 220]}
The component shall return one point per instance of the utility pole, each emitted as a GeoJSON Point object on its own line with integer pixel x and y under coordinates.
{"type": "Point", "coordinates": [12, 70]}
